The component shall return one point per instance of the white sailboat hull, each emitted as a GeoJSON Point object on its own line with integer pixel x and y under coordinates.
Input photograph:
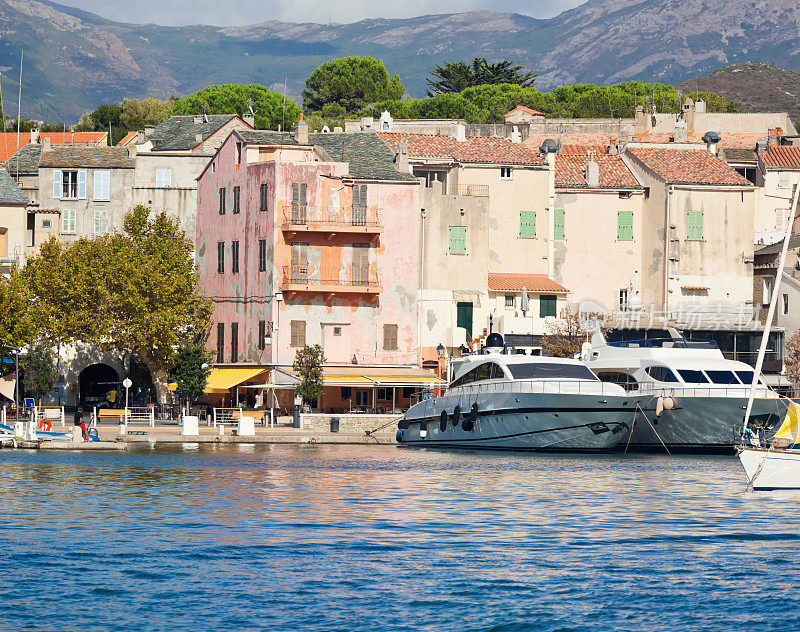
{"type": "Point", "coordinates": [779, 469]}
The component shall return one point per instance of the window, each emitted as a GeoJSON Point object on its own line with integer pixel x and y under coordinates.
{"type": "Point", "coordinates": [359, 205]}
{"type": "Point", "coordinates": [785, 180]}
{"type": "Point", "coordinates": [236, 195]}
{"type": "Point", "coordinates": [390, 337]}
{"type": "Point", "coordinates": [361, 264]}
{"type": "Point", "coordinates": [234, 342]}
{"type": "Point", "coordinates": [558, 223]}
{"type": "Point", "coordinates": [30, 234]}
{"type": "Point", "coordinates": [747, 172]}
{"type": "Point", "coordinates": [337, 331]}
{"type": "Point", "coordinates": [221, 257]}
{"type": "Point", "coordinates": [547, 305]}
{"type": "Point", "coordinates": [505, 173]}
{"type": "Point", "coordinates": [69, 185]}
{"type": "Point", "coordinates": [262, 335]}
{"type": "Point", "coordinates": [298, 338]}
{"type": "Point", "coordinates": [692, 376]}
{"type": "Point", "coordinates": [238, 153]}
{"type": "Point", "coordinates": [623, 299]}
{"type": "Point", "coordinates": [722, 377]}
{"type": "Point", "coordinates": [766, 297]}
{"type": "Point", "coordinates": [69, 221]}
{"type": "Point", "coordinates": [458, 240]}
{"type": "Point", "coordinates": [299, 261]}
{"type": "Point", "coordinates": [220, 342]}
{"type": "Point", "coordinates": [46, 223]}
{"type": "Point", "coordinates": [235, 257]}
{"type": "Point", "coordinates": [432, 178]}
{"type": "Point", "coordinates": [163, 178]}
{"type": "Point", "coordinates": [661, 373]}
{"type": "Point", "coordinates": [781, 216]}
{"type": "Point", "coordinates": [264, 197]}
{"type": "Point", "coordinates": [551, 371]}
{"type": "Point", "coordinates": [464, 316]}
{"type": "Point", "coordinates": [527, 224]}
{"type": "Point", "coordinates": [299, 202]}
{"type": "Point", "coordinates": [102, 186]}
{"type": "Point", "coordinates": [222, 201]}
{"type": "Point", "coordinates": [100, 222]}
{"type": "Point", "coordinates": [262, 255]}
{"type": "Point", "coordinates": [695, 219]}
{"type": "Point", "coordinates": [785, 303]}
{"type": "Point", "coordinates": [624, 225]}
{"type": "Point", "coordinates": [511, 301]}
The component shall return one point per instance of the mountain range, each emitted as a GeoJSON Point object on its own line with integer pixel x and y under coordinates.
{"type": "Point", "coordinates": [75, 60]}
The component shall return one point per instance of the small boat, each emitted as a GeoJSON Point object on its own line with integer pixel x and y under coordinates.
{"type": "Point", "coordinates": [704, 395]}
{"type": "Point", "coordinates": [776, 467]}
{"type": "Point", "coordinates": [502, 401]}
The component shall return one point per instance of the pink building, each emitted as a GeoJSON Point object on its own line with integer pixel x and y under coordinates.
{"type": "Point", "coordinates": [312, 242]}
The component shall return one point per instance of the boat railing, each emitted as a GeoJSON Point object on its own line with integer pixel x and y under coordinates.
{"type": "Point", "coordinates": [732, 391]}
{"type": "Point", "coordinates": [665, 343]}
{"type": "Point", "coordinates": [567, 387]}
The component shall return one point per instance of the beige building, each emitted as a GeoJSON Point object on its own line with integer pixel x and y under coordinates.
{"type": "Point", "coordinates": [779, 167]}
{"type": "Point", "coordinates": [12, 223]}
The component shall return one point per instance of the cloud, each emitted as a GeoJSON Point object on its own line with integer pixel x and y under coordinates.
{"type": "Point", "coordinates": [183, 12]}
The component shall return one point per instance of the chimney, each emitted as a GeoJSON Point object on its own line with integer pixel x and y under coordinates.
{"type": "Point", "coordinates": [198, 118]}
{"type": "Point", "coordinates": [198, 138]}
{"type": "Point", "coordinates": [515, 137]}
{"type": "Point", "coordinates": [34, 135]}
{"type": "Point", "coordinates": [711, 139]}
{"type": "Point", "coordinates": [132, 151]}
{"type": "Point", "coordinates": [148, 131]}
{"type": "Point", "coordinates": [140, 138]}
{"type": "Point", "coordinates": [688, 113]}
{"type": "Point", "coordinates": [761, 146]}
{"type": "Point", "coordinates": [249, 119]}
{"type": "Point", "coordinates": [302, 131]}
{"type": "Point", "coordinates": [774, 136]}
{"type": "Point", "coordinates": [460, 132]}
{"type": "Point", "coordinates": [680, 131]}
{"type": "Point", "coordinates": [367, 122]}
{"type": "Point", "coordinates": [641, 120]}
{"type": "Point", "coordinates": [592, 175]}
{"type": "Point", "coordinates": [46, 144]}
{"type": "Point", "coordinates": [401, 158]}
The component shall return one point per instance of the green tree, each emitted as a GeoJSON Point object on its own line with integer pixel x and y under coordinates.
{"type": "Point", "coordinates": [457, 76]}
{"type": "Point", "coordinates": [140, 113]}
{"type": "Point", "coordinates": [351, 82]}
{"type": "Point", "coordinates": [270, 108]}
{"type": "Point", "coordinates": [308, 366]}
{"type": "Point", "coordinates": [17, 323]}
{"type": "Point", "coordinates": [452, 76]}
{"type": "Point", "coordinates": [41, 371]}
{"type": "Point", "coordinates": [192, 370]}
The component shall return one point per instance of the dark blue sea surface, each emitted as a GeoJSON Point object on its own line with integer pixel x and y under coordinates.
{"type": "Point", "coordinates": [240, 538]}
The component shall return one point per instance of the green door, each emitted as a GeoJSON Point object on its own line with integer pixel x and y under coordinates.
{"type": "Point", "coordinates": [464, 316]}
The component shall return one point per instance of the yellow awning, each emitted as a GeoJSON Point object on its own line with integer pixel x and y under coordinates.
{"type": "Point", "coordinates": [222, 380]}
{"type": "Point", "coordinates": [378, 376]}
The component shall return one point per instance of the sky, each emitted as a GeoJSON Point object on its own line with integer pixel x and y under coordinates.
{"type": "Point", "coordinates": [222, 13]}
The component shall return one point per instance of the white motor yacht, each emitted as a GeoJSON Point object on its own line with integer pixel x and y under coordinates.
{"type": "Point", "coordinates": [521, 402]}
{"type": "Point", "coordinates": [700, 396]}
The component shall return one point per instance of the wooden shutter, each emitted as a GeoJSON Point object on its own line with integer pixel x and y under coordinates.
{"type": "Point", "coordinates": [102, 185]}
{"type": "Point", "coordinates": [527, 224]}
{"type": "Point", "coordinates": [547, 305]}
{"type": "Point", "coordinates": [390, 337]}
{"type": "Point", "coordinates": [464, 316]}
{"type": "Point", "coordinates": [458, 240]}
{"type": "Point", "coordinates": [361, 264]}
{"type": "Point", "coordinates": [695, 232]}
{"type": "Point", "coordinates": [624, 225]}
{"type": "Point", "coordinates": [558, 223]}
{"type": "Point", "coordinates": [220, 342]}
{"type": "Point", "coordinates": [221, 257]}
{"type": "Point", "coordinates": [57, 184]}
{"type": "Point", "coordinates": [82, 185]}
{"type": "Point", "coordinates": [264, 193]}
{"type": "Point", "coordinates": [68, 222]}
{"type": "Point", "coordinates": [222, 194]}
{"type": "Point", "coordinates": [298, 338]}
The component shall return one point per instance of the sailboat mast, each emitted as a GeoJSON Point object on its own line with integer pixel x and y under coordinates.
{"type": "Point", "coordinates": [19, 103]}
{"type": "Point", "coordinates": [772, 304]}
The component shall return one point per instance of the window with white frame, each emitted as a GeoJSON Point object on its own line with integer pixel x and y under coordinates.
{"type": "Point", "coordinates": [766, 296]}
{"type": "Point", "coordinates": [623, 299]}
{"type": "Point", "coordinates": [781, 215]}
{"type": "Point", "coordinates": [100, 222]}
{"type": "Point", "coordinates": [505, 173]}
{"type": "Point", "coordinates": [510, 301]}
{"type": "Point", "coordinates": [69, 185]}
{"type": "Point", "coordinates": [786, 179]}
{"type": "Point", "coordinates": [163, 178]}
{"type": "Point", "coordinates": [69, 221]}
{"type": "Point", "coordinates": [102, 186]}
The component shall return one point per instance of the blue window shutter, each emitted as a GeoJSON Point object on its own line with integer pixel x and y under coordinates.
{"type": "Point", "coordinates": [57, 184]}
{"type": "Point", "coordinates": [81, 185]}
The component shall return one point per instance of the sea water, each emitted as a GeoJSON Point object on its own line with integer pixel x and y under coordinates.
{"type": "Point", "coordinates": [239, 538]}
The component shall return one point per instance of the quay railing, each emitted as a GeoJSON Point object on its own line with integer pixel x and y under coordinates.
{"type": "Point", "coordinates": [52, 414]}
{"type": "Point", "coordinates": [361, 219]}
{"type": "Point", "coordinates": [302, 277]}
{"type": "Point", "coordinates": [225, 415]}
{"type": "Point", "coordinates": [140, 414]}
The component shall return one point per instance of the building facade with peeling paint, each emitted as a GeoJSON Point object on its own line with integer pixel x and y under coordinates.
{"type": "Point", "coordinates": [309, 239]}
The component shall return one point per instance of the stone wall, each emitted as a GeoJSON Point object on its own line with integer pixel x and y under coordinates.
{"type": "Point", "coordinates": [349, 423]}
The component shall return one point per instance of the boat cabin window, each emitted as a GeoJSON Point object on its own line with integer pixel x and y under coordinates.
{"type": "Point", "coordinates": [722, 377]}
{"type": "Point", "coordinates": [485, 371]}
{"type": "Point", "coordinates": [550, 371]}
{"type": "Point", "coordinates": [693, 377]}
{"type": "Point", "coordinates": [661, 373]}
{"type": "Point", "coordinates": [746, 377]}
{"type": "Point", "coordinates": [628, 382]}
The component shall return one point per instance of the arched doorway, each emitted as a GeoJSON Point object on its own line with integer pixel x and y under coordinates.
{"type": "Point", "coordinates": [95, 381]}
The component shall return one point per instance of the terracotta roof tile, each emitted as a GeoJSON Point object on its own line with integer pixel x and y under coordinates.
{"type": "Point", "coordinates": [780, 156]}
{"type": "Point", "coordinates": [527, 110]}
{"type": "Point", "coordinates": [471, 150]}
{"type": "Point", "coordinates": [8, 140]}
{"type": "Point", "coordinates": [733, 140]}
{"type": "Point", "coordinates": [128, 139]}
{"type": "Point", "coordinates": [514, 282]}
{"type": "Point", "coordinates": [575, 143]}
{"type": "Point", "coordinates": [687, 166]}
{"type": "Point", "coordinates": [614, 173]}
{"type": "Point", "coordinates": [82, 156]}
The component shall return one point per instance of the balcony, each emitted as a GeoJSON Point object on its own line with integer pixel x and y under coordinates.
{"type": "Point", "coordinates": [360, 220]}
{"type": "Point", "coordinates": [304, 278]}
{"type": "Point", "coordinates": [10, 256]}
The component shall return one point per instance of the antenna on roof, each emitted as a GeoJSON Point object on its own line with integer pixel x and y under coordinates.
{"type": "Point", "coordinates": [19, 105]}
{"type": "Point", "coordinates": [250, 107]}
{"type": "Point", "coordinates": [205, 113]}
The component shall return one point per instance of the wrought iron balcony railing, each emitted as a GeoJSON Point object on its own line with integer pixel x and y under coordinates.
{"type": "Point", "coordinates": [355, 219]}
{"type": "Point", "coordinates": [306, 278]}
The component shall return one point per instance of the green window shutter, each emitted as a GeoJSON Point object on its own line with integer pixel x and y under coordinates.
{"type": "Point", "coordinates": [458, 240]}
{"type": "Point", "coordinates": [624, 225]}
{"type": "Point", "coordinates": [695, 225]}
{"type": "Point", "coordinates": [527, 224]}
{"type": "Point", "coordinates": [464, 316]}
{"type": "Point", "coordinates": [558, 222]}
{"type": "Point", "coordinates": [547, 305]}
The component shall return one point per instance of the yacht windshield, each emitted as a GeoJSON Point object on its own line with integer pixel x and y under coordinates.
{"type": "Point", "coordinates": [722, 377]}
{"type": "Point", "coordinates": [746, 377]}
{"type": "Point", "coordinates": [550, 371]}
{"type": "Point", "coordinates": [693, 377]}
